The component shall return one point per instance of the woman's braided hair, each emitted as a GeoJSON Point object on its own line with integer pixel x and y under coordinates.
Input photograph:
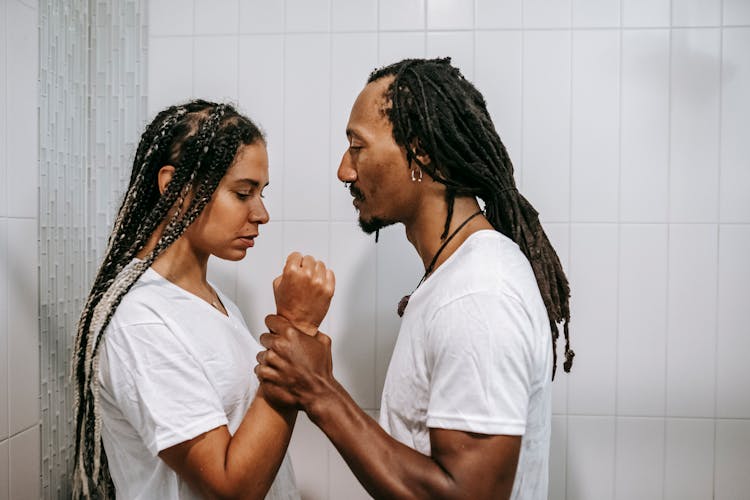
{"type": "Point", "coordinates": [435, 110]}
{"type": "Point", "coordinates": [200, 139]}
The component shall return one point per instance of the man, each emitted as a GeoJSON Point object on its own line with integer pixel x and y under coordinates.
{"type": "Point", "coordinates": [466, 403]}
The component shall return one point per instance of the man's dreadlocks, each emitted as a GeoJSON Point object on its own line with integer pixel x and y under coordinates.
{"type": "Point", "coordinates": [435, 110]}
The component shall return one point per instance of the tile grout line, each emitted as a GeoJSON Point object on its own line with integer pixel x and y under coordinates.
{"type": "Point", "coordinates": [667, 322]}
{"type": "Point", "coordinates": [618, 295]}
{"type": "Point", "coordinates": [718, 242]}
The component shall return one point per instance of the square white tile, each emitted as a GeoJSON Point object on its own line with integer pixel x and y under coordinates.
{"type": "Point", "coordinates": [22, 101]}
{"type": "Point", "coordinates": [399, 269]}
{"type": "Point", "coordinates": [170, 72]}
{"type": "Point", "coordinates": [596, 13]}
{"type": "Point", "coordinates": [734, 203]}
{"type": "Point", "coordinates": [354, 15]}
{"type": "Point", "coordinates": [497, 75]}
{"type": "Point", "coordinates": [3, 110]}
{"type": "Point", "coordinates": [255, 275]}
{"type": "Point", "coordinates": [736, 12]}
{"type": "Point", "coordinates": [396, 46]}
{"type": "Point", "coordinates": [644, 188]}
{"type": "Point", "coordinates": [303, 16]}
{"type": "Point", "coordinates": [590, 458]}
{"type": "Point", "coordinates": [25, 465]}
{"type": "Point", "coordinates": [23, 324]}
{"type": "Point", "coordinates": [689, 459]}
{"type": "Point", "coordinates": [691, 334]}
{"type": "Point", "coordinates": [5, 470]}
{"type": "Point", "coordinates": [354, 55]}
{"type": "Point", "coordinates": [261, 97]}
{"type": "Point", "coordinates": [261, 16]}
{"type": "Point", "coordinates": [546, 123]}
{"type": "Point", "coordinates": [641, 341]}
{"type": "Point", "coordinates": [694, 172]}
{"type": "Point", "coordinates": [170, 17]}
{"type": "Point", "coordinates": [559, 236]}
{"type": "Point", "coordinates": [595, 125]}
{"type": "Point", "coordinates": [558, 450]}
{"type": "Point", "coordinates": [696, 12]}
{"type": "Point", "coordinates": [494, 14]}
{"type": "Point", "coordinates": [646, 13]}
{"type": "Point", "coordinates": [458, 45]}
{"type": "Point", "coordinates": [307, 238]}
{"type": "Point", "coordinates": [546, 13]}
{"type": "Point", "coordinates": [402, 14]}
{"type": "Point", "coordinates": [216, 68]}
{"type": "Point", "coordinates": [352, 316]}
{"type": "Point", "coordinates": [733, 371]}
{"type": "Point", "coordinates": [639, 458]}
{"type": "Point", "coordinates": [593, 309]}
{"type": "Point", "coordinates": [450, 14]}
{"type": "Point", "coordinates": [216, 17]}
{"type": "Point", "coordinates": [4, 344]}
{"type": "Point", "coordinates": [732, 459]}
{"type": "Point", "coordinates": [309, 453]}
{"type": "Point", "coordinates": [307, 127]}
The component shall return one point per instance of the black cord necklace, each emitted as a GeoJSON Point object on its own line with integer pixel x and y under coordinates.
{"type": "Point", "coordinates": [405, 300]}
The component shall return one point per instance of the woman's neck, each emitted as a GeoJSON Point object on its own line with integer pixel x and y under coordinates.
{"type": "Point", "coordinates": [180, 263]}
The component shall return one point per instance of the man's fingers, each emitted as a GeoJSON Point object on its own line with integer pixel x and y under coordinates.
{"type": "Point", "coordinates": [267, 374]}
{"type": "Point", "coordinates": [330, 281]}
{"type": "Point", "coordinates": [267, 340]}
{"type": "Point", "coordinates": [276, 324]}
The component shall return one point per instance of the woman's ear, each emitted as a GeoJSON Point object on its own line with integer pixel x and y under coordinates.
{"type": "Point", "coordinates": [165, 176]}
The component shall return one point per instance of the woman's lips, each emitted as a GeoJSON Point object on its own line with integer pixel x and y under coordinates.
{"type": "Point", "coordinates": [248, 240]}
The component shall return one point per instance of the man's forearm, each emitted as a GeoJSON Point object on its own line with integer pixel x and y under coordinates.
{"type": "Point", "coordinates": [384, 466]}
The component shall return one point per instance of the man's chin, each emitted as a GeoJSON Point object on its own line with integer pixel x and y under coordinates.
{"type": "Point", "coordinates": [369, 226]}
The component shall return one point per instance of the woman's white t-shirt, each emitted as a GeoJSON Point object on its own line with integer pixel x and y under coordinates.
{"type": "Point", "coordinates": [173, 367]}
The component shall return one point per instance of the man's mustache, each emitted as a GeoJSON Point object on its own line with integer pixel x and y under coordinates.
{"type": "Point", "coordinates": [356, 193]}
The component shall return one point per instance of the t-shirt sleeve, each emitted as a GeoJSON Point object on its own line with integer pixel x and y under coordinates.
{"type": "Point", "coordinates": [479, 362]}
{"type": "Point", "coordinates": [160, 387]}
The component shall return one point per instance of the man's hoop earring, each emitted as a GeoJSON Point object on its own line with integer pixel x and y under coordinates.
{"type": "Point", "coordinates": [416, 178]}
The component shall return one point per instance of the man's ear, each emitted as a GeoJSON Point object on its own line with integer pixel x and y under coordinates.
{"type": "Point", "coordinates": [419, 153]}
{"type": "Point", "coordinates": [164, 178]}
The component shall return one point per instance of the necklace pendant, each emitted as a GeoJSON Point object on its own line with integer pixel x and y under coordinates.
{"type": "Point", "coordinates": [402, 305]}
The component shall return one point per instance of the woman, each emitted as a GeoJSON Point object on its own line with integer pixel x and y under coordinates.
{"type": "Point", "coordinates": [163, 361]}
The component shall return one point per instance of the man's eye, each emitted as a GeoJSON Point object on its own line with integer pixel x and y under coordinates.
{"type": "Point", "coordinates": [243, 196]}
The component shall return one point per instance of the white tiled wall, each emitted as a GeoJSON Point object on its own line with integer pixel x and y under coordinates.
{"type": "Point", "coordinates": [628, 122]}
{"type": "Point", "coordinates": [19, 184]}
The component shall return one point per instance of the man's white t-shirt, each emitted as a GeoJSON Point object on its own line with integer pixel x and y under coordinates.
{"type": "Point", "coordinates": [172, 367]}
{"type": "Point", "coordinates": [474, 353]}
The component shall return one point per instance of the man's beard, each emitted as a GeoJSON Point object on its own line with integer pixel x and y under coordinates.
{"type": "Point", "coordinates": [372, 225]}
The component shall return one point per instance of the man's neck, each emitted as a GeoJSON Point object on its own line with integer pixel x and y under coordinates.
{"type": "Point", "coordinates": [427, 226]}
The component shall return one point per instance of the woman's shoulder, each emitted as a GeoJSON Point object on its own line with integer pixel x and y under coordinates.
{"type": "Point", "coordinates": [147, 301]}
